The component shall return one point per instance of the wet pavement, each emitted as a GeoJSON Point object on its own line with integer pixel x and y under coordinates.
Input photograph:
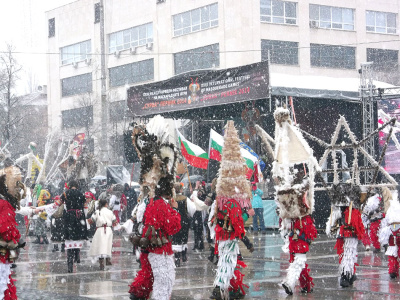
{"type": "Point", "coordinates": [42, 274]}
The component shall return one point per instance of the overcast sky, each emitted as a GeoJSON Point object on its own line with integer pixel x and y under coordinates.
{"type": "Point", "coordinates": [23, 24]}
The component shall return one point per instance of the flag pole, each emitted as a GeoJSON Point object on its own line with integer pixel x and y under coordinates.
{"type": "Point", "coordinates": [187, 172]}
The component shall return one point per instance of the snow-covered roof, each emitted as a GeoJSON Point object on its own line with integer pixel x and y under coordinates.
{"type": "Point", "coordinates": [318, 86]}
{"type": "Point", "coordinates": [34, 99]}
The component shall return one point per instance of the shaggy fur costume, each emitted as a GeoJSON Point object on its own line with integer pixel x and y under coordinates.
{"type": "Point", "coordinates": [157, 273]}
{"type": "Point", "coordinates": [301, 233]}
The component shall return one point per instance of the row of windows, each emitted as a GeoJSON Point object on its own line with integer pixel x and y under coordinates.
{"type": "Point", "coordinates": [279, 52]}
{"type": "Point", "coordinates": [329, 56]}
{"type": "Point", "coordinates": [75, 53]}
{"type": "Point", "coordinates": [132, 37]}
{"type": "Point", "coordinates": [321, 16]}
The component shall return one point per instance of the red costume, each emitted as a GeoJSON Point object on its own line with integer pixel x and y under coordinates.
{"type": "Point", "coordinates": [229, 228]}
{"type": "Point", "coordinates": [165, 221]}
{"type": "Point", "coordinates": [10, 234]}
{"type": "Point", "coordinates": [346, 244]}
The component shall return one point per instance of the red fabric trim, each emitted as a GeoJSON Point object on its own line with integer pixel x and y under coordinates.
{"type": "Point", "coordinates": [306, 281]}
{"type": "Point", "coordinates": [375, 226]}
{"type": "Point", "coordinates": [356, 223]}
{"type": "Point", "coordinates": [234, 212]}
{"type": "Point", "coordinates": [11, 292]}
{"type": "Point", "coordinates": [366, 239]}
{"type": "Point", "coordinates": [236, 282]}
{"type": "Point", "coordinates": [142, 285]}
{"type": "Point", "coordinates": [307, 228]}
{"type": "Point", "coordinates": [164, 219]}
{"type": "Point", "coordinates": [8, 226]}
{"type": "Point", "coordinates": [393, 265]}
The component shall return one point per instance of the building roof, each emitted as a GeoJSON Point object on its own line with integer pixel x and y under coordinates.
{"type": "Point", "coordinates": [34, 99]}
{"type": "Point", "coordinates": [318, 86]}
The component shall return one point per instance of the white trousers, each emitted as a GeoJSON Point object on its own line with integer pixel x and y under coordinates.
{"type": "Point", "coordinates": [163, 267]}
{"type": "Point", "coordinates": [349, 257]}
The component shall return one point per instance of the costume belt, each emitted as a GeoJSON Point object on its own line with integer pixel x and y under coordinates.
{"type": "Point", "coordinates": [105, 227]}
{"type": "Point", "coordinates": [300, 237]}
{"type": "Point", "coordinates": [78, 212]}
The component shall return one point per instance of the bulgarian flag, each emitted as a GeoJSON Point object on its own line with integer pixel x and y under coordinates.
{"type": "Point", "coordinates": [194, 155]}
{"type": "Point", "coordinates": [215, 152]}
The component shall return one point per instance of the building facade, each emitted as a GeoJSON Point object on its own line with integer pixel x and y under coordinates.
{"type": "Point", "coordinates": [152, 40]}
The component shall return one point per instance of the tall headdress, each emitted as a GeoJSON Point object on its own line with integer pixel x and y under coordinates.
{"type": "Point", "coordinates": [158, 156]}
{"type": "Point", "coordinates": [232, 182]}
{"type": "Point", "coordinates": [294, 191]}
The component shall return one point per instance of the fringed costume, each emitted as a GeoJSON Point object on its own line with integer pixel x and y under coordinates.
{"type": "Point", "coordinates": [294, 198]}
{"type": "Point", "coordinates": [233, 196]}
{"type": "Point", "coordinates": [389, 234]}
{"type": "Point", "coordinates": [10, 186]}
{"type": "Point", "coordinates": [346, 225]}
{"type": "Point", "coordinates": [372, 214]}
{"type": "Point", "coordinates": [159, 219]}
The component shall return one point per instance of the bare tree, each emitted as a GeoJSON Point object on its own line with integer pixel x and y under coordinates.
{"type": "Point", "coordinates": [9, 70]}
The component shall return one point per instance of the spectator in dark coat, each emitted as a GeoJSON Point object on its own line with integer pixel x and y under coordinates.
{"type": "Point", "coordinates": [75, 222]}
{"type": "Point", "coordinates": [131, 199]}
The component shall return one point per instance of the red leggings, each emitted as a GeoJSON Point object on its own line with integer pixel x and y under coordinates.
{"type": "Point", "coordinates": [142, 285]}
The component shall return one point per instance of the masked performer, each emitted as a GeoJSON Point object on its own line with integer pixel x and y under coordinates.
{"type": "Point", "coordinates": [293, 157]}
{"type": "Point", "coordinates": [10, 195]}
{"type": "Point", "coordinates": [346, 224]}
{"type": "Point", "coordinates": [233, 196]}
{"type": "Point", "coordinates": [389, 234]}
{"type": "Point", "coordinates": [160, 218]}
{"type": "Point", "coordinates": [372, 214]}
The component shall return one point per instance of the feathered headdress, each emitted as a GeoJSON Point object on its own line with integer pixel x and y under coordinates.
{"type": "Point", "coordinates": [158, 156]}
{"type": "Point", "coordinates": [232, 182]}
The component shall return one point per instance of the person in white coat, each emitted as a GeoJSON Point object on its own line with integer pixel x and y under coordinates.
{"type": "Point", "coordinates": [101, 246]}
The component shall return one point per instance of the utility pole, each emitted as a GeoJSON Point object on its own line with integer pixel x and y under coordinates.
{"type": "Point", "coordinates": [104, 102]}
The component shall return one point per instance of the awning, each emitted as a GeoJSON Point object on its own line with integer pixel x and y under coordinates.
{"type": "Point", "coordinates": [318, 86]}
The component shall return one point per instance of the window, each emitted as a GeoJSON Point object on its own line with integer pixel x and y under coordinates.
{"type": "Point", "coordinates": [381, 22]}
{"type": "Point", "coordinates": [200, 58]}
{"type": "Point", "coordinates": [52, 27]}
{"type": "Point", "coordinates": [76, 52]}
{"type": "Point", "coordinates": [280, 12]}
{"type": "Point", "coordinates": [132, 37]}
{"type": "Point", "coordinates": [196, 19]}
{"type": "Point", "coordinates": [117, 111]}
{"type": "Point", "coordinates": [132, 73]}
{"type": "Point", "coordinates": [96, 13]}
{"type": "Point", "coordinates": [76, 85]}
{"type": "Point", "coordinates": [331, 17]}
{"type": "Point", "coordinates": [77, 117]}
{"type": "Point", "coordinates": [337, 57]}
{"type": "Point", "coordinates": [382, 58]}
{"type": "Point", "coordinates": [281, 53]}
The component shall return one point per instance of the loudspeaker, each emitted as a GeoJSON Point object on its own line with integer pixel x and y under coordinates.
{"type": "Point", "coordinates": [129, 150]}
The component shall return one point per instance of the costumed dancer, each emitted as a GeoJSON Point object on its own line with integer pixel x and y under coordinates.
{"type": "Point", "coordinates": [389, 234]}
{"type": "Point", "coordinates": [10, 196]}
{"type": "Point", "coordinates": [101, 246]}
{"type": "Point", "coordinates": [186, 209]}
{"type": "Point", "coordinates": [372, 214]}
{"type": "Point", "coordinates": [40, 226]}
{"type": "Point", "coordinates": [57, 226]}
{"type": "Point", "coordinates": [294, 198]}
{"type": "Point", "coordinates": [233, 196]}
{"type": "Point", "coordinates": [75, 223]}
{"type": "Point", "coordinates": [210, 202]}
{"type": "Point", "coordinates": [160, 217]}
{"type": "Point", "coordinates": [346, 225]}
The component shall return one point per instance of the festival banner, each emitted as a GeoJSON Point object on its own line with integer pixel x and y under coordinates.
{"type": "Point", "coordinates": [200, 88]}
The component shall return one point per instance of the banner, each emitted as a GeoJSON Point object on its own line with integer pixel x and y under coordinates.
{"type": "Point", "coordinates": [388, 109]}
{"type": "Point", "coordinates": [200, 88]}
